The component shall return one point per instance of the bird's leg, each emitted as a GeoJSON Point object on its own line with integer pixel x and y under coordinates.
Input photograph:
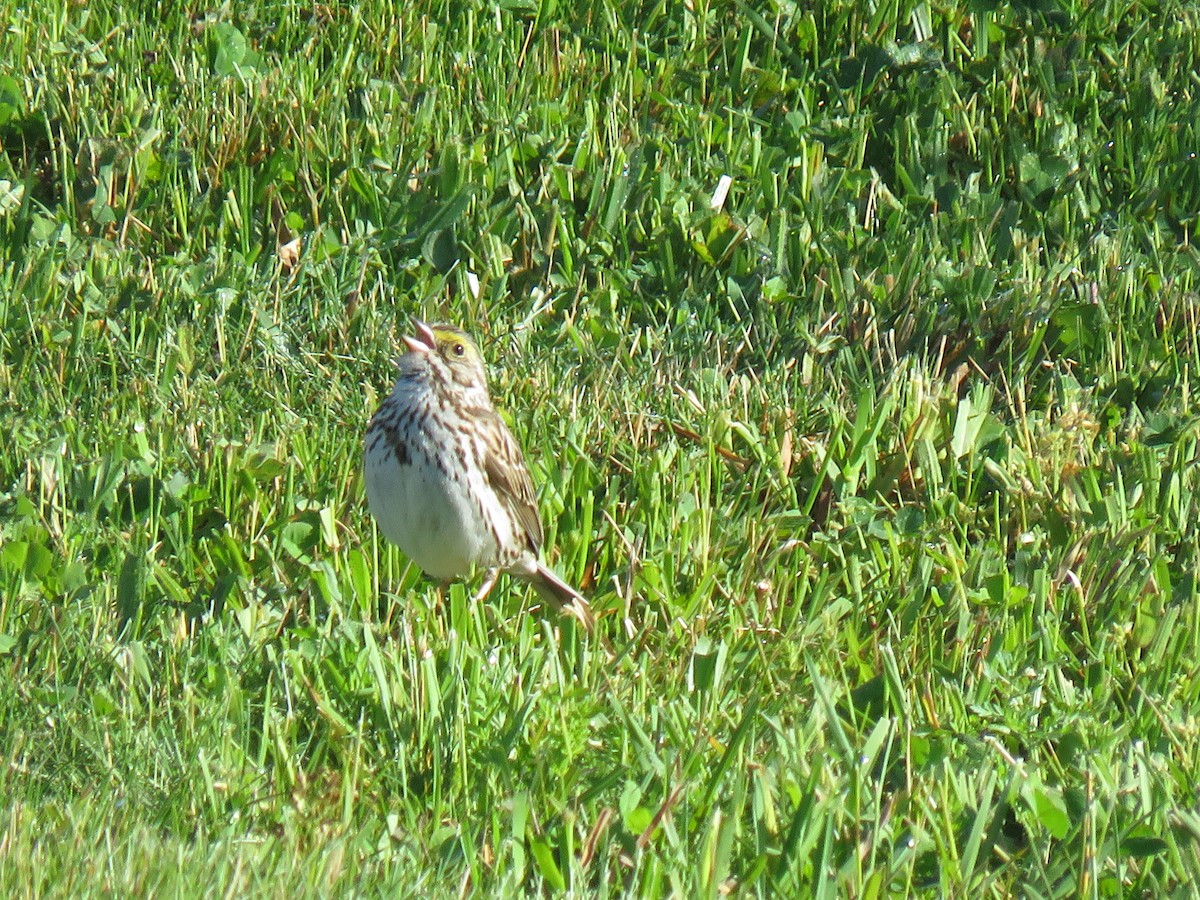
{"type": "Point", "coordinates": [489, 582]}
{"type": "Point", "coordinates": [441, 613]}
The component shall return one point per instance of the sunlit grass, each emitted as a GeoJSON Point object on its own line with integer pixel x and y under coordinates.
{"type": "Point", "coordinates": [881, 474]}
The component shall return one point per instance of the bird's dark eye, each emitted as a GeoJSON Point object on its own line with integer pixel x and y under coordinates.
{"type": "Point", "coordinates": [459, 349]}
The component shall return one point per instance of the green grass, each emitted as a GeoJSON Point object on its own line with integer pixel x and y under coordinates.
{"type": "Point", "coordinates": [883, 476]}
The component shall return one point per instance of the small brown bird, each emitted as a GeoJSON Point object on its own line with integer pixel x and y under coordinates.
{"type": "Point", "coordinates": [445, 478]}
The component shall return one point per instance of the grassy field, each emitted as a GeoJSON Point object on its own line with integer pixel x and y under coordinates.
{"type": "Point", "coordinates": [882, 471]}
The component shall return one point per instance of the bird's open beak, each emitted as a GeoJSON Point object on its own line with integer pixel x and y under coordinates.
{"type": "Point", "coordinates": [424, 340]}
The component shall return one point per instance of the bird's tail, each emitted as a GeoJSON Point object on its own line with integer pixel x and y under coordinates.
{"type": "Point", "coordinates": [562, 596]}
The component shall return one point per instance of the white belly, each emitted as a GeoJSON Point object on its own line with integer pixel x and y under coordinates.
{"type": "Point", "coordinates": [428, 516]}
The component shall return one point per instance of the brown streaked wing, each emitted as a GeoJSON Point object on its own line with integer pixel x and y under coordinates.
{"type": "Point", "coordinates": [506, 472]}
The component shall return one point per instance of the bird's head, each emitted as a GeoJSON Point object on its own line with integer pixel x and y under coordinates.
{"type": "Point", "coordinates": [447, 351]}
